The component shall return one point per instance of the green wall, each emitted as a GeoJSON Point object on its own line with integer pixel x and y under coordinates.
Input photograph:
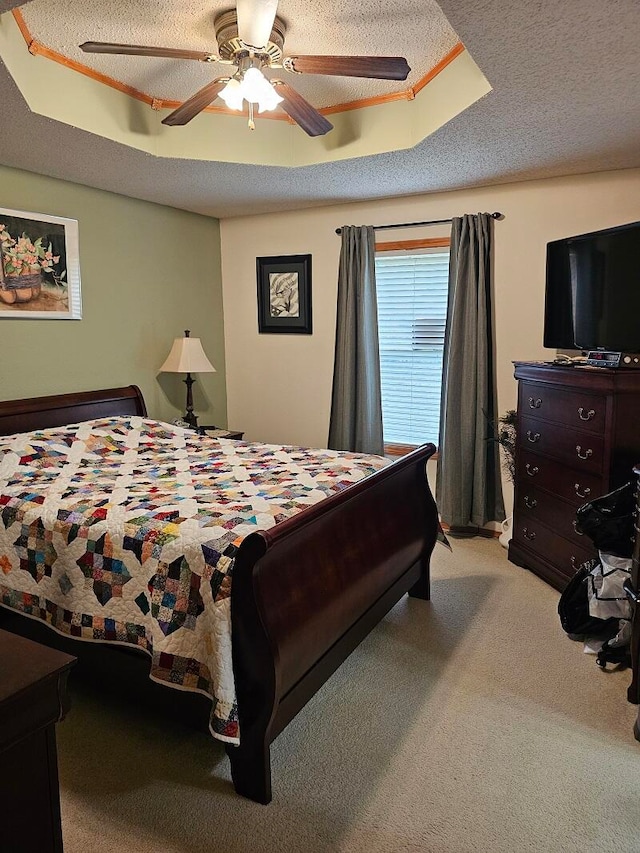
{"type": "Point", "coordinates": [148, 273]}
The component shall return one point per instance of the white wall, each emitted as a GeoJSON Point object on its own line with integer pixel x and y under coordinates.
{"type": "Point", "coordinates": [279, 386]}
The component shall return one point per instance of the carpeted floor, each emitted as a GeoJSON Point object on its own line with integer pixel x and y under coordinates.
{"type": "Point", "coordinates": [467, 724]}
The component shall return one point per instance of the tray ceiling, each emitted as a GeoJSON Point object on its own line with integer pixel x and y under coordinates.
{"type": "Point", "coordinates": [565, 100]}
{"type": "Point", "coordinates": [120, 111]}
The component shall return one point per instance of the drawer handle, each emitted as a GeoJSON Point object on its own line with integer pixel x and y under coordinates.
{"type": "Point", "coordinates": [533, 436]}
{"type": "Point", "coordinates": [580, 494]}
{"type": "Point", "coordinates": [589, 415]}
{"type": "Point", "coordinates": [586, 454]}
{"type": "Point", "coordinates": [530, 503]}
{"type": "Point", "coordinates": [528, 534]}
{"type": "Point", "coordinates": [575, 527]}
{"type": "Point", "coordinates": [532, 470]}
{"type": "Point", "coordinates": [535, 404]}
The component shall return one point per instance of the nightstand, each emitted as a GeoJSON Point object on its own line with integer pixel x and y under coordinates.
{"type": "Point", "coordinates": [220, 432]}
{"type": "Point", "coordinates": [32, 700]}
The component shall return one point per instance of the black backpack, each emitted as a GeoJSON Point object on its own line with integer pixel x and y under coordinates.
{"type": "Point", "coordinates": [573, 608]}
{"type": "Point", "coordinates": [609, 521]}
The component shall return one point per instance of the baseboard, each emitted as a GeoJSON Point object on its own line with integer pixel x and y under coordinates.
{"type": "Point", "coordinates": [472, 530]}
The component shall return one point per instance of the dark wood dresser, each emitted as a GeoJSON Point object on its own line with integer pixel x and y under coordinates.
{"type": "Point", "coordinates": [632, 588]}
{"type": "Point", "coordinates": [578, 437]}
{"type": "Point", "coordinates": [32, 700]}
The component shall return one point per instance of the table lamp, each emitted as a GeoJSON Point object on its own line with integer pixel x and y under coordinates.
{"type": "Point", "coordinates": [187, 356]}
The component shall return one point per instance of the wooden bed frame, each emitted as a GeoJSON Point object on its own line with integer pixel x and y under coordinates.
{"type": "Point", "coordinates": [305, 592]}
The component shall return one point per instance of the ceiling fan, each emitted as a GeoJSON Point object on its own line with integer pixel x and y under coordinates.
{"type": "Point", "coordinates": [251, 39]}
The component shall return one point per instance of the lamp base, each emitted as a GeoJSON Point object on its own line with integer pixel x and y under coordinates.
{"type": "Point", "coordinates": [189, 416]}
{"type": "Point", "coordinates": [191, 419]}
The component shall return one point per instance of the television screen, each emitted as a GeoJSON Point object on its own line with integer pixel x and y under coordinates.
{"type": "Point", "coordinates": [592, 296]}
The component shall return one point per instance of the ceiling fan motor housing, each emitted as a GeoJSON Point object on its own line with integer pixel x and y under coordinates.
{"type": "Point", "coordinates": [230, 45]}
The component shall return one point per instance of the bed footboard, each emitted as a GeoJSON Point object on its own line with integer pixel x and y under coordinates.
{"type": "Point", "coordinates": [308, 590]}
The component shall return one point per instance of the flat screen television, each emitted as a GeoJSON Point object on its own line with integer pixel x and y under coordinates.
{"type": "Point", "coordinates": [592, 298]}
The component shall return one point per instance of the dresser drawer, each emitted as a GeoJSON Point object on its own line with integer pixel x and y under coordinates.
{"type": "Point", "coordinates": [582, 451]}
{"type": "Point", "coordinates": [545, 473]}
{"type": "Point", "coordinates": [535, 505]}
{"type": "Point", "coordinates": [572, 408]}
{"type": "Point", "coordinates": [563, 553]}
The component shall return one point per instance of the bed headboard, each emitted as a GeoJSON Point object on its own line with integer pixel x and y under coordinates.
{"type": "Point", "coordinates": [61, 409]}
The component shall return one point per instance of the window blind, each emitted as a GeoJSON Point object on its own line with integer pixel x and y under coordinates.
{"type": "Point", "coordinates": [412, 310]}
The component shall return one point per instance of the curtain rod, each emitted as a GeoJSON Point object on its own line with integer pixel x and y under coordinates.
{"type": "Point", "coordinates": [415, 224]}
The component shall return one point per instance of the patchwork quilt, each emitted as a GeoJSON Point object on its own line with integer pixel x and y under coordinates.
{"type": "Point", "coordinates": [125, 529]}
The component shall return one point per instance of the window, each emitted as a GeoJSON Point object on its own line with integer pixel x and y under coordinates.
{"type": "Point", "coordinates": [412, 289]}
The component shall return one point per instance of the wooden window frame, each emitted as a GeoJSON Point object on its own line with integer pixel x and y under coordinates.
{"type": "Point", "coordinates": [410, 245]}
{"type": "Point", "coordinates": [396, 450]}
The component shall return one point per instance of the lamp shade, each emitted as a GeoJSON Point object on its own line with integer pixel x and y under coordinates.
{"type": "Point", "coordinates": [187, 356]}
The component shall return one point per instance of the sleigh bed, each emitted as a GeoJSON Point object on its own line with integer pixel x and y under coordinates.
{"type": "Point", "coordinates": [305, 591]}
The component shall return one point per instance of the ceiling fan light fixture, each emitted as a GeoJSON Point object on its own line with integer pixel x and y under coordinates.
{"type": "Point", "coordinates": [232, 94]}
{"type": "Point", "coordinates": [254, 88]}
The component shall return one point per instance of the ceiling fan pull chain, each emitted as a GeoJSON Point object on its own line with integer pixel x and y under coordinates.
{"type": "Point", "coordinates": [252, 124]}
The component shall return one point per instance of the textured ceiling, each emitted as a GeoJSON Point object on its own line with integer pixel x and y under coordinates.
{"type": "Point", "coordinates": [349, 27]}
{"type": "Point", "coordinates": [565, 100]}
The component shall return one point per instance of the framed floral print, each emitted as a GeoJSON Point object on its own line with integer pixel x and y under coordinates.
{"type": "Point", "coordinates": [39, 266]}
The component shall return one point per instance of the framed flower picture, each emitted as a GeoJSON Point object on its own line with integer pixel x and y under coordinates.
{"type": "Point", "coordinates": [39, 266]}
{"type": "Point", "coordinates": [284, 294]}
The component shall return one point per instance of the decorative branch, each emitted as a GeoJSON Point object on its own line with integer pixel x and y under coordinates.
{"type": "Point", "coordinates": [507, 441]}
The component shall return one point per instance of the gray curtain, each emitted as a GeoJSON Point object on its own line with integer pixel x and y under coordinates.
{"type": "Point", "coordinates": [468, 484]}
{"type": "Point", "coordinates": [356, 407]}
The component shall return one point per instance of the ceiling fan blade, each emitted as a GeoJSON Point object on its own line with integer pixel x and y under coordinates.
{"type": "Point", "coordinates": [255, 21]}
{"type": "Point", "coordinates": [144, 50]}
{"type": "Point", "coordinates": [196, 103]}
{"type": "Point", "coordinates": [378, 67]}
{"type": "Point", "coordinates": [310, 120]}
